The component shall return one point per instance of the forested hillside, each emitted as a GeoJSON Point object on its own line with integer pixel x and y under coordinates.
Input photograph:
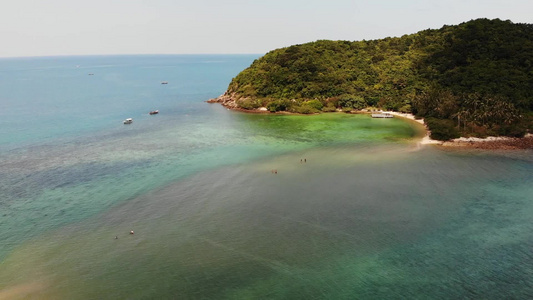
{"type": "Point", "coordinates": [475, 78]}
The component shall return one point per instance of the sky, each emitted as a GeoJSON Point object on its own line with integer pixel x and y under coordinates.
{"type": "Point", "coordinates": [97, 27]}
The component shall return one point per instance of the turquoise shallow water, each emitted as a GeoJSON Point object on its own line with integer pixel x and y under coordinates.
{"type": "Point", "coordinates": [368, 215]}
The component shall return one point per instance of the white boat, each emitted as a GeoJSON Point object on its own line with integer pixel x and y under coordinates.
{"type": "Point", "coordinates": [164, 82]}
{"type": "Point", "coordinates": [128, 121]}
{"type": "Point", "coordinates": [382, 115]}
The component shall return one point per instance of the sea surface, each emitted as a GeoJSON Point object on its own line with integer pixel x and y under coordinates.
{"type": "Point", "coordinates": [229, 205]}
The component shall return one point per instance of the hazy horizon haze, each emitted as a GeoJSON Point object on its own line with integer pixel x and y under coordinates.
{"type": "Point", "coordinates": [98, 27]}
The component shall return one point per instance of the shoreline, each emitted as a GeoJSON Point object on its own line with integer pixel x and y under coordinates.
{"type": "Point", "coordinates": [488, 143]}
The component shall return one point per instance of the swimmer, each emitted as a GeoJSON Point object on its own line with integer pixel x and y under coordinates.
{"type": "Point", "coordinates": [131, 232]}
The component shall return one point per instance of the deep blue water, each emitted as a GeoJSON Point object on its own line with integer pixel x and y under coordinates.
{"type": "Point", "coordinates": [55, 97]}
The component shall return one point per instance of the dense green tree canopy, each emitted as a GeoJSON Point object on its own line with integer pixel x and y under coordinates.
{"type": "Point", "coordinates": [461, 73]}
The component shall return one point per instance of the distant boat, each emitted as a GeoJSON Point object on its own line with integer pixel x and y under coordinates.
{"type": "Point", "coordinates": [90, 74]}
{"type": "Point", "coordinates": [382, 115]}
{"type": "Point", "coordinates": [154, 112]}
{"type": "Point", "coordinates": [164, 82]}
{"type": "Point", "coordinates": [128, 121]}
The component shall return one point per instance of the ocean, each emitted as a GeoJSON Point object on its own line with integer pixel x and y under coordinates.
{"type": "Point", "coordinates": [229, 205]}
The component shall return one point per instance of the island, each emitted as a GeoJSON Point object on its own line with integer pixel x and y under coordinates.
{"type": "Point", "coordinates": [473, 80]}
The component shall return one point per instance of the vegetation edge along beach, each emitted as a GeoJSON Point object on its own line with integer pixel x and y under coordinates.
{"type": "Point", "coordinates": [469, 83]}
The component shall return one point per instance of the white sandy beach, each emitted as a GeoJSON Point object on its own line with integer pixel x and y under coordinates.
{"type": "Point", "coordinates": [466, 141]}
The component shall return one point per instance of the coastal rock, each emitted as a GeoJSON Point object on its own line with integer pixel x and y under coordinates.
{"type": "Point", "coordinates": [493, 143]}
{"type": "Point", "coordinates": [227, 100]}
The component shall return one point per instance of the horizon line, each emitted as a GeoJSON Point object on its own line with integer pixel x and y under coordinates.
{"type": "Point", "coordinates": [123, 54]}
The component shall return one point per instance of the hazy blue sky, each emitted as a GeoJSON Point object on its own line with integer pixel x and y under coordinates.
{"type": "Point", "coordinates": [66, 27]}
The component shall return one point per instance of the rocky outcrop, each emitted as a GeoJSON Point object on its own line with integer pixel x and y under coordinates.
{"type": "Point", "coordinates": [226, 99]}
{"type": "Point", "coordinates": [229, 100]}
{"type": "Point", "coordinates": [493, 143]}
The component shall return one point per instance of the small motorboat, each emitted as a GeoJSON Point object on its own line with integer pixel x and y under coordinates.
{"type": "Point", "coordinates": [128, 121]}
{"type": "Point", "coordinates": [385, 115]}
{"type": "Point", "coordinates": [164, 82]}
{"type": "Point", "coordinates": [154, 112]}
